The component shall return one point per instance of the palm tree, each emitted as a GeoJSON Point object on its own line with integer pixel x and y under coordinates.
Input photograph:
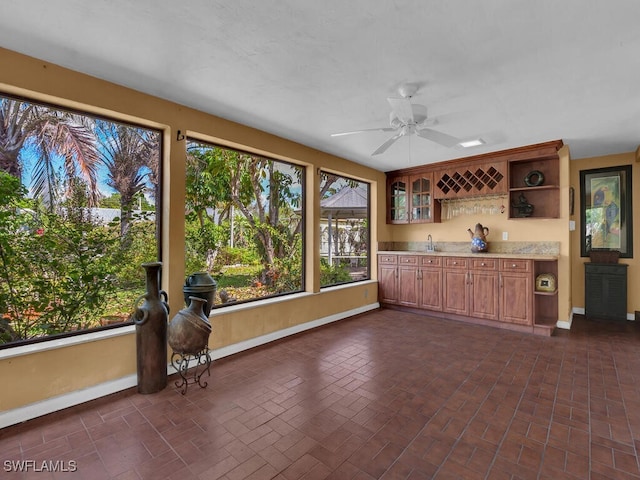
{"type": "Point", "coordinates": [125, 152]}
{"type": "Point", "coordinates": [51, 135]}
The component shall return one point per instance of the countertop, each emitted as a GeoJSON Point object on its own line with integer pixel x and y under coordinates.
{"type": "Point", "coordinates": [522, 256]}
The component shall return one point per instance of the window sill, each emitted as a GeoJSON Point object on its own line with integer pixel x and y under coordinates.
{"type": "Point", "coordinates": [65, 342]}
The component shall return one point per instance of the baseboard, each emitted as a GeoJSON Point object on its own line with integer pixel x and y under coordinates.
{"type": "Point", "coordinates": [54, 404]}
{"type": "Point", "coordinates": [580, 311]}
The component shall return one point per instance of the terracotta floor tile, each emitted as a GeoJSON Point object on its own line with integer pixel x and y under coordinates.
{"type": "Point", "coordinates": [385, 395]}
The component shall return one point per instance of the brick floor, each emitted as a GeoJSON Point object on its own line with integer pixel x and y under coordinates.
{"type": "Point", "coordinates": [385, 395]}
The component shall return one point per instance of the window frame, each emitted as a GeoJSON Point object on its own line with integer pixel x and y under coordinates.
{"type": "Point", "coordinates": [59, 339]}
{"type": "Point", "coordinates": [194, 138]}
{"type": "Point", "coordinates": [368, 186]}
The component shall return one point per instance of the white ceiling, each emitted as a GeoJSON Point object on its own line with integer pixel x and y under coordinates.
{"type": "Point", "coordinates": [515, 72]}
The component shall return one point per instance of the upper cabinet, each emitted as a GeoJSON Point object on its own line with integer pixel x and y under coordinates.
{"type": "Point", "coordinates": [398, 199]}
{"type": "Point", "coordinates": [410, 199]}
{"type": "Point", "coordinates": [529, 176]}
{"type": "Point", "coordinates": [534, 188]}
{"type": "Point", "coordinates": [422, 205]}
{"type": "Point", "coordinates": [471, 180]}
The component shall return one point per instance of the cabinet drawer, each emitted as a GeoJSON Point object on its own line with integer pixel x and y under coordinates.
{"type": "Point", "coordinates": [388, 259]}
{"type": "Point", "coordinates": [407, 260]}
{"type": "Point", "coordinates": [456, 262]}
{"type": "Point", "coordinates": [514, 265]}
{"type": "Point", "coordinates": [427, 261]}
{"type": "Point", "coordinates": [484, 264]}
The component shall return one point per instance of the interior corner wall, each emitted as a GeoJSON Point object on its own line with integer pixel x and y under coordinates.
{"type": "Point", "coordinates": [577, 262]}
{"type": "Point", "coordinates": [38, 377]}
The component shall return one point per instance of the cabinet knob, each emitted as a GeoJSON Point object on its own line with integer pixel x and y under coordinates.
{"type": "Point", "coordinates": [482, 264]}
{"type": "Point", "coordinates": [513, 266]}
{"type": "Point", "coordinates": [429, 261]}
{"type": "Point", "coordinates": [455, 263]}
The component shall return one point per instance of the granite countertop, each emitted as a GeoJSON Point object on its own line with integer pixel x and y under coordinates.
{"type": "Point", "coordinates": [522, 256]}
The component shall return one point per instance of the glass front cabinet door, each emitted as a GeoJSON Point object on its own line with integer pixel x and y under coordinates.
{"type": "Point", "coordinates": [421, 199]}
{"type": "Point", "coordinates": [410, 199]}
{"type": "Point", "coordinates": [397, 200]}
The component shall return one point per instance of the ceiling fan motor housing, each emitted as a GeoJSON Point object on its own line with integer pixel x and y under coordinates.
{"type": "Point", "coordinates": [419, 116]}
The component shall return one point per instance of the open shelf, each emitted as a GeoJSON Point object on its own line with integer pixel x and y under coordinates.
{"type": "Point", "coordinates": [544, 198]}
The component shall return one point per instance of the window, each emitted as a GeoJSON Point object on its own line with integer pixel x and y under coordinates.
{"type": "Point", "coordinates": [344, 230]}
{"type": "Point", "coordinates": [244, 222]}
{"type": "Point", "coordinates": [77, 218]}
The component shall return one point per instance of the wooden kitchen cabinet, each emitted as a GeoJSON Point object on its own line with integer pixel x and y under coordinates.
{"type": "Point", "coordinates": [410, 199]}
{"type": "Point", "coordinates": [455, 279]}
{"type": "Point", "coordinates": [471, 287]}
{"type": "Point", "coordinates": [388, 278]}
{"type": "Point", "coordinates": [484, 288]}
{"type": "Point", "coordinates": [398, 199]}
{"type": "Point", "coordinates": [516, 291]}
{"type": "Point", "coordinates": [423, 208]}
{"type": "Point", "coordinates": [430, 283]}
{"type": "Point", "coordinates": [471, 180]}
{"type": "Point", "coordinates": [543, 198]}
{"type": "Point", "coordinates": [414, 194]}
{"type": "Point", "coordinates": [475, 288]}
{"type": "Point", "coordinates": [408, 280]}
{"type": "Point", "coordinates": [411, 281]}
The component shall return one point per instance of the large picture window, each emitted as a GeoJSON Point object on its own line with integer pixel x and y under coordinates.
{"type": "Point", "coordinates": [244, 222]}
{"type": "Point", "coordinates": [344, 230]}
{"type": "Point", "coordinates": [77, 218]}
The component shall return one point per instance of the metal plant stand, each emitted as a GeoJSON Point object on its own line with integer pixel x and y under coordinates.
{"type": "Point", "coordinates": [201, 363]}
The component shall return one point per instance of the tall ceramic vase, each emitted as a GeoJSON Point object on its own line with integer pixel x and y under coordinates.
{"type": "Point", "coordinates": [150, 320]}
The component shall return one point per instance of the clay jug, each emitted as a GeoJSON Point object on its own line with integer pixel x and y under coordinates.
{"type": "Point", "coordinates": [150, 320]}
{"type": "Point", "coordinates": [202, 285]}
{"type": "Point", "coordinates": [189, 330]}
{"type": "Point", "coordinates": [478, 236]}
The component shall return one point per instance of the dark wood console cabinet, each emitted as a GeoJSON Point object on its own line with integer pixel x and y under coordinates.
{"type": "Point", "coordinates": [605, 290]}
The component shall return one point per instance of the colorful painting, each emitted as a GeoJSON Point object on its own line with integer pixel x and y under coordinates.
{"type": "Point", "coordinates": [606, 210]}
{"type": "Point", "coordinates": [603, 218]}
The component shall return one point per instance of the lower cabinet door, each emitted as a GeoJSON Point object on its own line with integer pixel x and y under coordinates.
{"type": "Point", "coordinates": [431, 289]}
{"type": "Point", "coordinates": [388, 283]}
{"type": "Point", "coordinates": [408, 285]}
{"type": "Point", "coordinates": [516, 298]}
{"type": "Point", "coordinates": [484, 295]}
{"type": "Point", "coordinates": [454, 285]}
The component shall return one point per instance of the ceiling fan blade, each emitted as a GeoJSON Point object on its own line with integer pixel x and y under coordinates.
{"type": "Point", "coordinates": [383, 148]}
{"type": "Point", "coordinates": [386, 129]}
{"type": "Point", "coordinates": [438, 137]}
{"type": "Point", "coordinates": [402, 108]}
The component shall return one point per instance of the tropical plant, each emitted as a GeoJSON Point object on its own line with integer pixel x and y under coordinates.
{"type": "Point", "coordinates": [126, 152]}
{"type": "Point", "coordinates": [56, 269]}
{"type": "Point", "coordinates": [49, 135]}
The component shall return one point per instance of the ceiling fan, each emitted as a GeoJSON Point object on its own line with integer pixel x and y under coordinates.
{"type": "Point", "coordinates": [407, 118]}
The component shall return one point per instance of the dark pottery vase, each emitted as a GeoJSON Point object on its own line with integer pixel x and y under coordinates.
{"type": "Point", "coordinates": [201, 285]}
{"type": "Point", "coordinates": [150, 320]}
{"type": "Point", "coordinates": [189, 330]}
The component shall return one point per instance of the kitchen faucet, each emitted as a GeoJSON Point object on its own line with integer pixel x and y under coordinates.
{"type": "Point", "coordinates": [430, 245]}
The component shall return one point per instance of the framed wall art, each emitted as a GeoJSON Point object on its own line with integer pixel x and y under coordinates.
{"type": "Point", "coordinates": [606, 210]}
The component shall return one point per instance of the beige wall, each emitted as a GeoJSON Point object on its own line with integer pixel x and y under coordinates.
{"type": "Point", "coordinates": [577, 262]}
{"type": "Point", "coordinates": [39, 376]}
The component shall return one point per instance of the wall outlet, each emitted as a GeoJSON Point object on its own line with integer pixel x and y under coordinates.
{"type": "Point", "coordinates": [505, 235]}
